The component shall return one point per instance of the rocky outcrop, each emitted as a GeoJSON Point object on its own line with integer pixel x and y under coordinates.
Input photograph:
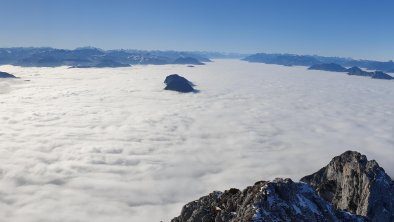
{"type": "Point", "coordinates": [352, 183]}
{"type": "Point", "coordinates": [374, 75]}
{"type": "Point", "coordinates": [279, 200]}
{"type": "Point", "coordinates": [381, 75]}
{"type": "Point", "coordinates": [328, 67]}
{"type": "Point", "coordinates": [349, 188]}
{"type": "Point", "coordinates": [356, 71]}
{"type": "Point", "coordinates": [178, 83]}
{"type": "Point", "coordinates": [6, 75]}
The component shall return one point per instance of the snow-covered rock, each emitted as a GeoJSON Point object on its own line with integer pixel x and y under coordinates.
{"type": "Point", "coordinates": [349, 188]}
{"type": "Point", "coordinates": [279, 200]}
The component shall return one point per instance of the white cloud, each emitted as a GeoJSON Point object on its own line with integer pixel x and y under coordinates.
{"type": "Point", "coordinates": [110, 144]}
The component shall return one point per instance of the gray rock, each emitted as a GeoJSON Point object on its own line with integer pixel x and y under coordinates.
{"type": "Point", "coordinates": [279, 200]}
{"type": "Point", "coordinates": [352, 183]}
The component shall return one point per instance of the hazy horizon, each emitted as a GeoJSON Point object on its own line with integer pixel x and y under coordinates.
{"type": "Point", "coordinates": [196, 51]}
{"type": "Point", "coordinates": [334, 28]}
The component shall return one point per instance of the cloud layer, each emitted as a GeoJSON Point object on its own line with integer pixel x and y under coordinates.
{"type": "Point", "coordinates": [110, 144]}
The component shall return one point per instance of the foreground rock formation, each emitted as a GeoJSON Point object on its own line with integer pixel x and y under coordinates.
{"type": "Point", "coordinates": [178, 83]}
{"type": "Point", "coordinates": [349, 188]}
{"type": "Point", "coordinates": [352, 183]}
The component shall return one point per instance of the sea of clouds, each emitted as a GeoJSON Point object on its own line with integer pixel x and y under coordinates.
{"type": "Point", "coordinates": [111, 145]}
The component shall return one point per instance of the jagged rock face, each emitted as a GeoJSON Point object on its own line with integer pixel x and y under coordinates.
{"type": "Point", "coordinates": [352, 183]}
{"type": "Point", "coordinates": [280, 200]}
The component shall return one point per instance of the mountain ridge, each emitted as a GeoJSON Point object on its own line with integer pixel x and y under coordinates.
{"type": "Point", "coordinates": [349, 188]}
{"type": "Point", "coordinates": [310, 60]}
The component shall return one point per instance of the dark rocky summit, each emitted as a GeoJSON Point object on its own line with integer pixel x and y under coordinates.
{"type": "Point", "coordinates": [187, 61]}
{"type": "Point", "coordinates": [349, 188]}
{"type": "Point", "coordinates": [381, 75]}
{"type": "Point", "coordinates": [352, 183]}
{"type": "Point", "coordinates": [6, 75]}
{"type": "Point", "coordinates": [328, 67]}
{"type": "Point", "coordinates": [178, 83]}
{"type": "Point", "coordinates": [374, 75]}
{"type": "Point", "coordinates": [355, 71]}
{"type": "Point", "coordinates": [308, 60]}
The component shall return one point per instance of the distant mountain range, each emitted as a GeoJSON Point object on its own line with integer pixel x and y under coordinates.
{"type": "Point", "coordinates": [87, 57]}
{"type": "Point", "coordinates": [354, 71]}
{"type": "Point", "coordinates": [310, 60]}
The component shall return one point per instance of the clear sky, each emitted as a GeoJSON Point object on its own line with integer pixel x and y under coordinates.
{"type": "Point", "coordinates": [354, 28]}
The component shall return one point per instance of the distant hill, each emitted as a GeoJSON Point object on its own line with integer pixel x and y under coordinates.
{"type": "Point", "coordinates": [6, 75]}
{"type": "Point", "coordinates": [188, 61]}
{"type": "Point", "coordinates": [309, 60]}
{"type": "Point", "coordinates": [381, 75]}
{"type": "Point", "coordinates": [354, 71]}
{"type": "Point", "coordinates": [328, 67]}
{"type": "Point", "coordinates": [283, 59]}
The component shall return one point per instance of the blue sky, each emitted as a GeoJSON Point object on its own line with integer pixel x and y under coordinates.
{"type": "Point", "coordinates": [354, 28]}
